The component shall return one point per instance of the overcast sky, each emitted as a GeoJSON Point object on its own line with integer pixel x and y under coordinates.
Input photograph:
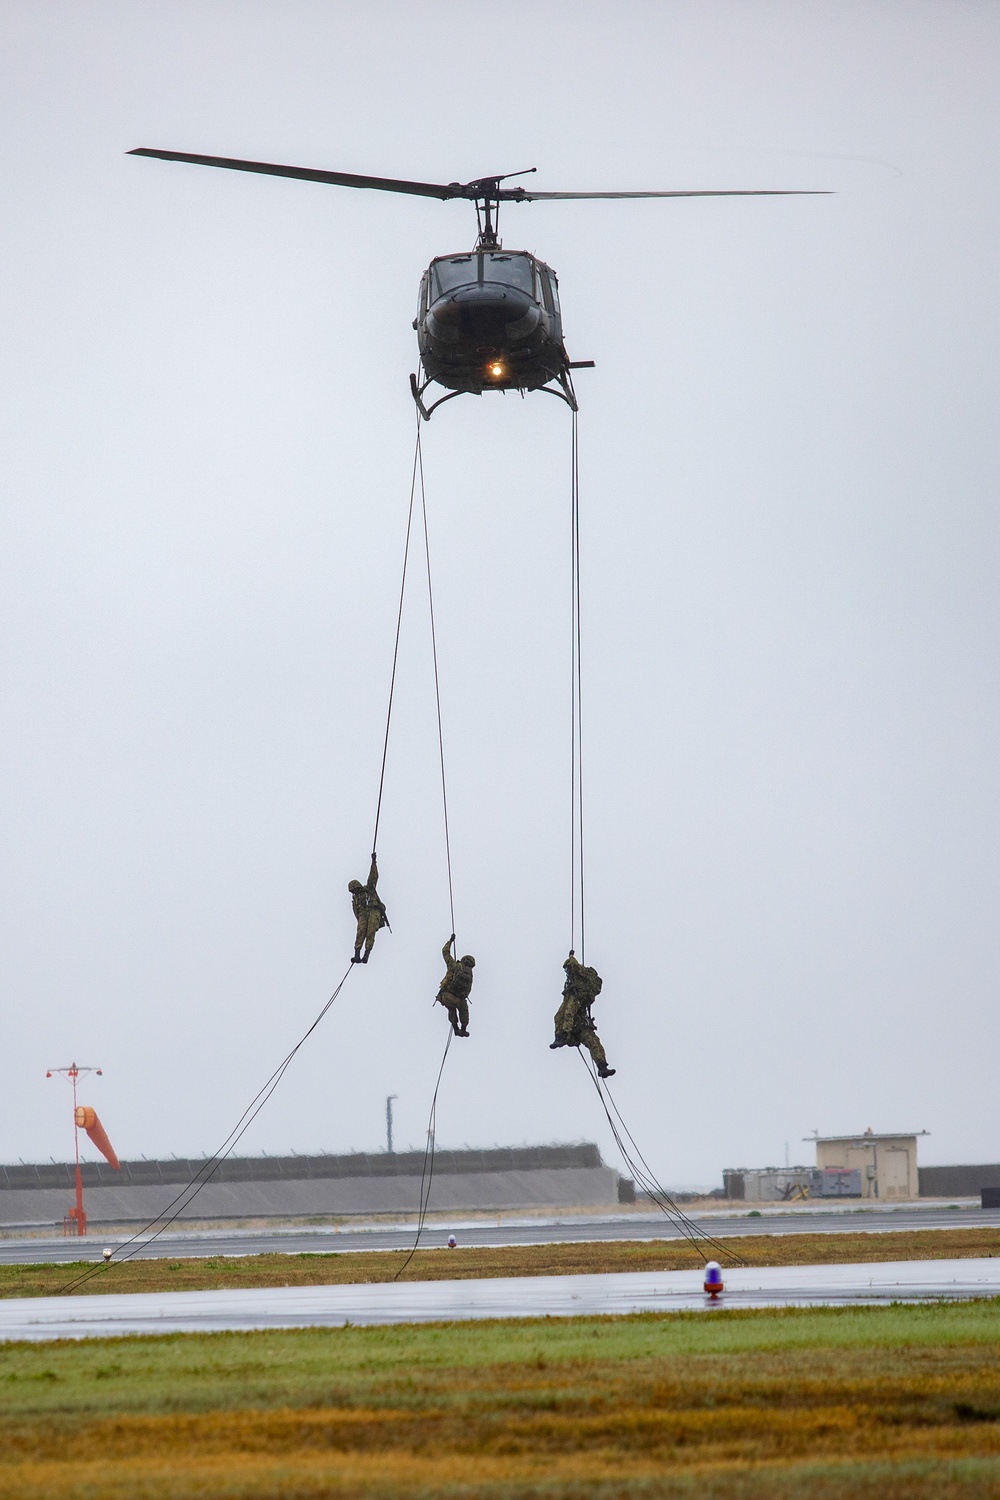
{"type": "Point", "coordinates": [790, 579]}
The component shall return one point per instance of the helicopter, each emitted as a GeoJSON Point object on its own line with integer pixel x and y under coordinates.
{"type": "Point", "coordinates": [488, 319]}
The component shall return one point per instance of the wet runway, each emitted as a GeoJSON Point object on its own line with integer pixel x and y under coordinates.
{"type": "Point", "coordinates": [107, 1316]}
{"type": "Point", "coordinates": [513, 1231]}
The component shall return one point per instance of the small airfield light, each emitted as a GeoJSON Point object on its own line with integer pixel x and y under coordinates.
{"type": "Point", "coordinates": [714, 1284]}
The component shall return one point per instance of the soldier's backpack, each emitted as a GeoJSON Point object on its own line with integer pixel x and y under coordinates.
{"type": "Point", "coordinates": [459, 983]}
{"type": "Point", "coordinates": [589, 983]}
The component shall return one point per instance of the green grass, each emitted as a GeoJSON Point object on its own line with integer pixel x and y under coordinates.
{"type": "Point", "coordinates": [203, 1372]}
{"type": "Point", "coordinates": [819, 1403]}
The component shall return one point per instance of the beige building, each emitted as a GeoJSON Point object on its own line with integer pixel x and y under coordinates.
{"type": "Point", "coordinates": [888, 1163]}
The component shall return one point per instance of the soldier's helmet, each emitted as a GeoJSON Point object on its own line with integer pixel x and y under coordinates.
{"type": "Point", "coordinates": [355, 885]}
{"type": "Point", "coordinates": [468, 961]}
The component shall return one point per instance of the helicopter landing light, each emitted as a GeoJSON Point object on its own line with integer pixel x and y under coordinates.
{"type": "Point", "coordinates": [496, 369]}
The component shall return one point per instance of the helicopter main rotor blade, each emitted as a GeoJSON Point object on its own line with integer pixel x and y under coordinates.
{"type": "Point", "coordinates": [528, 195]}
{"type": "Point", "coordinates": [310, 174]}
{"type": "Point", "coordinates": [482, 187]}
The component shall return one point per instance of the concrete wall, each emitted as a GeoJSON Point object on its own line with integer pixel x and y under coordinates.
{"type": "Point", "coordinates": [248, 1187]}
{"type": "Point", "coordinates": [958, 1182]}
{"type": "Point", "coordinates": [301, 1168]}
{"type": "Point", "coordinates": [347, 1195]}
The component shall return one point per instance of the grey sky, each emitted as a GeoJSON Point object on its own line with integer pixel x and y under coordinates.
{"type": "Point", "coordinates": [789, 481]}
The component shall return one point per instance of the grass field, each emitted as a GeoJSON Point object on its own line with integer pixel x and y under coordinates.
{"type": "Point", "coordinates": [519, 1260]}
{"type": "Point", "coordinates": [827, 1404]}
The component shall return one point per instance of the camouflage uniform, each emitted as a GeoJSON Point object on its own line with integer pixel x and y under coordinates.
{"type": "Point", "coordinates": [574, 1023]}
{"type": "Point", "coordinates": [369, 911]}
{"type": "Point", "coordinates": [455, 988]}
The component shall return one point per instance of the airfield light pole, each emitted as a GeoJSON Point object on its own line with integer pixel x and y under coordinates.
{"type": "Point", "coordinates": [388, 1122]}
{"type": "Point", "coordinates": [75, 1222]}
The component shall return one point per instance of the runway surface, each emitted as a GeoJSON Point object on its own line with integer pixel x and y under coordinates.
{"type": "Point", "coordinates": [37, 1318]}
{"type": "Point", "coordinates": [537, 1231]}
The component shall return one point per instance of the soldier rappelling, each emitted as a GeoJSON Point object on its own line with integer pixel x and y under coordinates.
{"type": "Point", "coordinates": [574, 1023]}
{"type": "Point", "coordinates": [455, 987]}
{"type": "Point", "coordinates": [369, 911]}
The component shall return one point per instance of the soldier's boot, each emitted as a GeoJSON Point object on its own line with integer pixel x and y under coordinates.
{"type": "Point", "coordinates": [560, 1041]}
{"type": "Point", "coordinates": [357, 956]}
{"type": "Point", "coordinates": [366, 957]}
{"type": "Point", "coordinates": [604, 1071]}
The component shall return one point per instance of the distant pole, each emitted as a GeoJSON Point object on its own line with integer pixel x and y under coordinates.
{"type": "Point", "coordinates": [388, 1122]}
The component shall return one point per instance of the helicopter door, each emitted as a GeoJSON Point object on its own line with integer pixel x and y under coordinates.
{"type": "Point", "coordinates": [553, 287]}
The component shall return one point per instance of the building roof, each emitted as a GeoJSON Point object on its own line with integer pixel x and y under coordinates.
{"type": "Point", "coordinates": [870, 1135]}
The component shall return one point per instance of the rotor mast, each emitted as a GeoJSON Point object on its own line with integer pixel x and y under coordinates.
{"type": "Point", "coordinates": [486, 195]}
{"type": "Point", "coordinates": [488, 220]}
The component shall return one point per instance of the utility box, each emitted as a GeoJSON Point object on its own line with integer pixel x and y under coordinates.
{"type": "Point", "coordinates": [836, 1182]}
{"type": "Point", "coordinates": [990, 1198]}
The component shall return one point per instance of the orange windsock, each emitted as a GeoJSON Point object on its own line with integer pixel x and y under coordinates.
{"type": "Point", "coordinates": [87, 1120]}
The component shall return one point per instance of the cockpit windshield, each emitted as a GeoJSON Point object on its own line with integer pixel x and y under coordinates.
{"type": "Point", "coordinates": [512, 270]}
{"type": "Point", "coordinates": [453, 271]}
{"type": "Point", "coordinates": [457, 270]}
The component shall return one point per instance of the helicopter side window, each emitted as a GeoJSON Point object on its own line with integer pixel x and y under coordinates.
{"type": "Point", "coordinates": [544, 288]}
{"type": "Point", "coordinates": [459, 270]}
{"type": "Point", "coordinates": [512, 270]}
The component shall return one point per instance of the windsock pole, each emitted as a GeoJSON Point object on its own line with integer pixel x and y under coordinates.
{"type": "Point", "coordinates": [81, 1217]}
{"type": "Point", "coordinates": [75, 1221]}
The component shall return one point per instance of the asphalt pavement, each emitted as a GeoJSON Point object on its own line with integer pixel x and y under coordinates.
{"type": "Point", "coordinates": [112, 1315]}
{"type": "Point", "coordinates": [571, 1229]}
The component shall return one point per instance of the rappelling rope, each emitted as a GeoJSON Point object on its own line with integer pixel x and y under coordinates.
{"type": "Point", "coordinates": [169, 1215]}
{"type": "Point", "coordinates": [576, 705]}
{"type": "Point", "coordinates": [399, 622]}
{"type": "Point", "coordinates": [634, 1160]}
{"type": "Point", "coordinates": [207, 1170]}
{"type": "Point", "coordinates": [427, 1171]}
{"type": "Point", "coordinates": [437, 679]}
{"type": "Point", "coordinates": [642, 1173]}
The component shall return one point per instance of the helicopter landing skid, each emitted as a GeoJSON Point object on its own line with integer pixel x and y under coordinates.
{"type": "Point", "coordinates": [564, 393]}
{"type": "Point", "coordinates": [417, 391]}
